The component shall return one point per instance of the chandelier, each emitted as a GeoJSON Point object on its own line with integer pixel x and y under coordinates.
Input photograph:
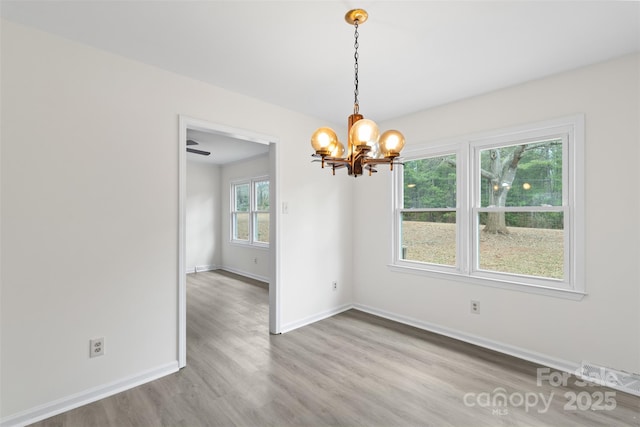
{"type": "Point", "coordinates": [366, 148]}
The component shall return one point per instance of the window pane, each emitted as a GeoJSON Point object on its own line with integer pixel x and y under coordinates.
{"type": "Point", "coordinates": [241, 226]}
{"type": "Point", "coordinates": [241, 197]}
{"type": "Point", "coordinates": [262, 195]}
{"type": "Point", "coordinates": [533, 243]}
{"type": "Point", "coordinates": [429, 237]}
{"type": "Point", "coordinates": [430, 183]}
{"type": "Point", "coordinates": [522, 175]}
{"type": "Point", "coordinates": [261, 229]}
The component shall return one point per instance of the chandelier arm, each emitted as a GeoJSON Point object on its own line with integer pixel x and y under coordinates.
{"type": "Point", "coordinates": [338, 161]}
{"type": "Point", "coordinates": [387, 160]}
{"type": "Point", "coordinates": [338, 166]}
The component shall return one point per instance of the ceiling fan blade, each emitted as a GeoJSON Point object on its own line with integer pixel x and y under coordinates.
{"type": "Point", "coordinates": [192, 142]}
{"type": "Point", "coordinates": [194, 151]}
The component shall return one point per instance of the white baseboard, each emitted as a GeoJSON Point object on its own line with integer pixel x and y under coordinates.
{"type": "Point", "coordinates": [88, 396]}
{"type": "Point", "coordinates": [201, 268]}
{"type": "Point", "coordinates": [314, 318]}
{"type": "Point", "coordinates": [538, 358]}
{"type": "Point", "coordinates": [246, 274]}
{"type": "Point", "coordinates": [212, 267]}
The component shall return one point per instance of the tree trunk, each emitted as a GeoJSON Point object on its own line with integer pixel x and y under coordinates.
{"type": "Point", "coordinates": [501, 175]}
{"type": "Point", "coordinates": [496, 223]}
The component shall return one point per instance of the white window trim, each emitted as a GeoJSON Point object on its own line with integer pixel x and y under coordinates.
{"type": "Point", "coordinates": [251, 212]}
{"type": "Point", "coordinates": [465, 148]}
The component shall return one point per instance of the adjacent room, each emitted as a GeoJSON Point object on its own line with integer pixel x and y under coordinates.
{"type": "Point", "coordinates": [227, 204]}
{"type": "Point", "coordinates": [319, 213]}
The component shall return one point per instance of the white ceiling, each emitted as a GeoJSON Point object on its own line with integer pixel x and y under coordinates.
{"type": "Point", "coordinates": [222, 149]}
{"type": "Point", "coordinates": [299, 54]}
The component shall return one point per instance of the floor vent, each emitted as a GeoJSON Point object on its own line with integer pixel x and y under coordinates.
{"type": "Point", "coordinates": [619, 380]}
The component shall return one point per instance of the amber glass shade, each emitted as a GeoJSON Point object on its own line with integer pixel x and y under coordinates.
{"type": "Point", "coordinates": [391, 143]}
{"type": "Point", "coordinates": [338, 150]}
{"type": "Point", "coordinates": [324, 140]}
{"type": "Point", "coordinates": [364, 132]}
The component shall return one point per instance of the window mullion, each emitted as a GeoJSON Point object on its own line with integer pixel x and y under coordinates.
{"type": "Point", "coordinates": [465, 174]}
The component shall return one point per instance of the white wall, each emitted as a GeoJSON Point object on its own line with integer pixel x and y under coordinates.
{"type": "Point", "coordinates": [604, 327]}
{"type": "Point", "coordinates": [90, 215]}
{"type": "Point", "coordinates": [203, 217]}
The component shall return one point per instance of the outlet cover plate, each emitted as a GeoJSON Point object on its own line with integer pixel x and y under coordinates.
{"type": "Point", "coordinates": [96, 347]}
{"type": "Point", "coordinates": [475, 307]}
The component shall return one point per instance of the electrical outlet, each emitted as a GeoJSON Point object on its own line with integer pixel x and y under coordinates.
{"type": "Point", "coordinates": [475, 307]}
{"type": "Point", "coordinates": [255, 260]}
{"type": "Point", "coordinates": [96, 347]}
{"type": "Point", "coordinates": [334, 285]}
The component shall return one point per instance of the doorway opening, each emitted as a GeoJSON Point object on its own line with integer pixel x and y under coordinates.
{"type": "Point", "coordinates": [225, 145]}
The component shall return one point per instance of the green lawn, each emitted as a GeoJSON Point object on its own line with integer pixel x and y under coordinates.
{"type": "Point", "coordinates": [529, 251]}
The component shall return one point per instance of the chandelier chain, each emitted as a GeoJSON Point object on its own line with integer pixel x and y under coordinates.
{"type": "Point", "coordinates": [356, 106]}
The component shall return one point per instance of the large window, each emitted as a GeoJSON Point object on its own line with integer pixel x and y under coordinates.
{"type": "Point", "coordinates": [250, 211]}
{"type": "Point", "coordinates": [503, 209]}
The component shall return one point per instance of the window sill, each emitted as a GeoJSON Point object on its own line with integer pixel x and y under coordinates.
{"type": "Point", "coordinates": [569, 294]}
{"type": "Point", "coordinates": [245, 244]}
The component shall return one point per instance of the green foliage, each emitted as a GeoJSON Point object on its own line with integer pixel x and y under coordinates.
{"type": "Point", "coordinates": [261, 189]}
{"type": "Point", "coordinates": [262, 195]}
{"type": "Point", "coordinates": [549, 220]}
{"type": "Point", "coordinates": [538, 179]}
{"type": "Point", "coordinates": [242, 197]}
{"type": "Point", "coordinates": [440, 217]}
{"type": "Point", "coordinates": [430, 183]}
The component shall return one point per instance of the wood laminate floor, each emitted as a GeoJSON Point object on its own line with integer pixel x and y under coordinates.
{"type": "Point", "coordinates": [352, 369]}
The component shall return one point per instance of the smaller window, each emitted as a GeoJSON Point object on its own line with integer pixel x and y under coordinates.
{"type": "Point", "coordinates": [240, 212]}
{"type": "Point", "coordinates": [250, 211]}
{"type": "Point", "coordinates": [261, 211]}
